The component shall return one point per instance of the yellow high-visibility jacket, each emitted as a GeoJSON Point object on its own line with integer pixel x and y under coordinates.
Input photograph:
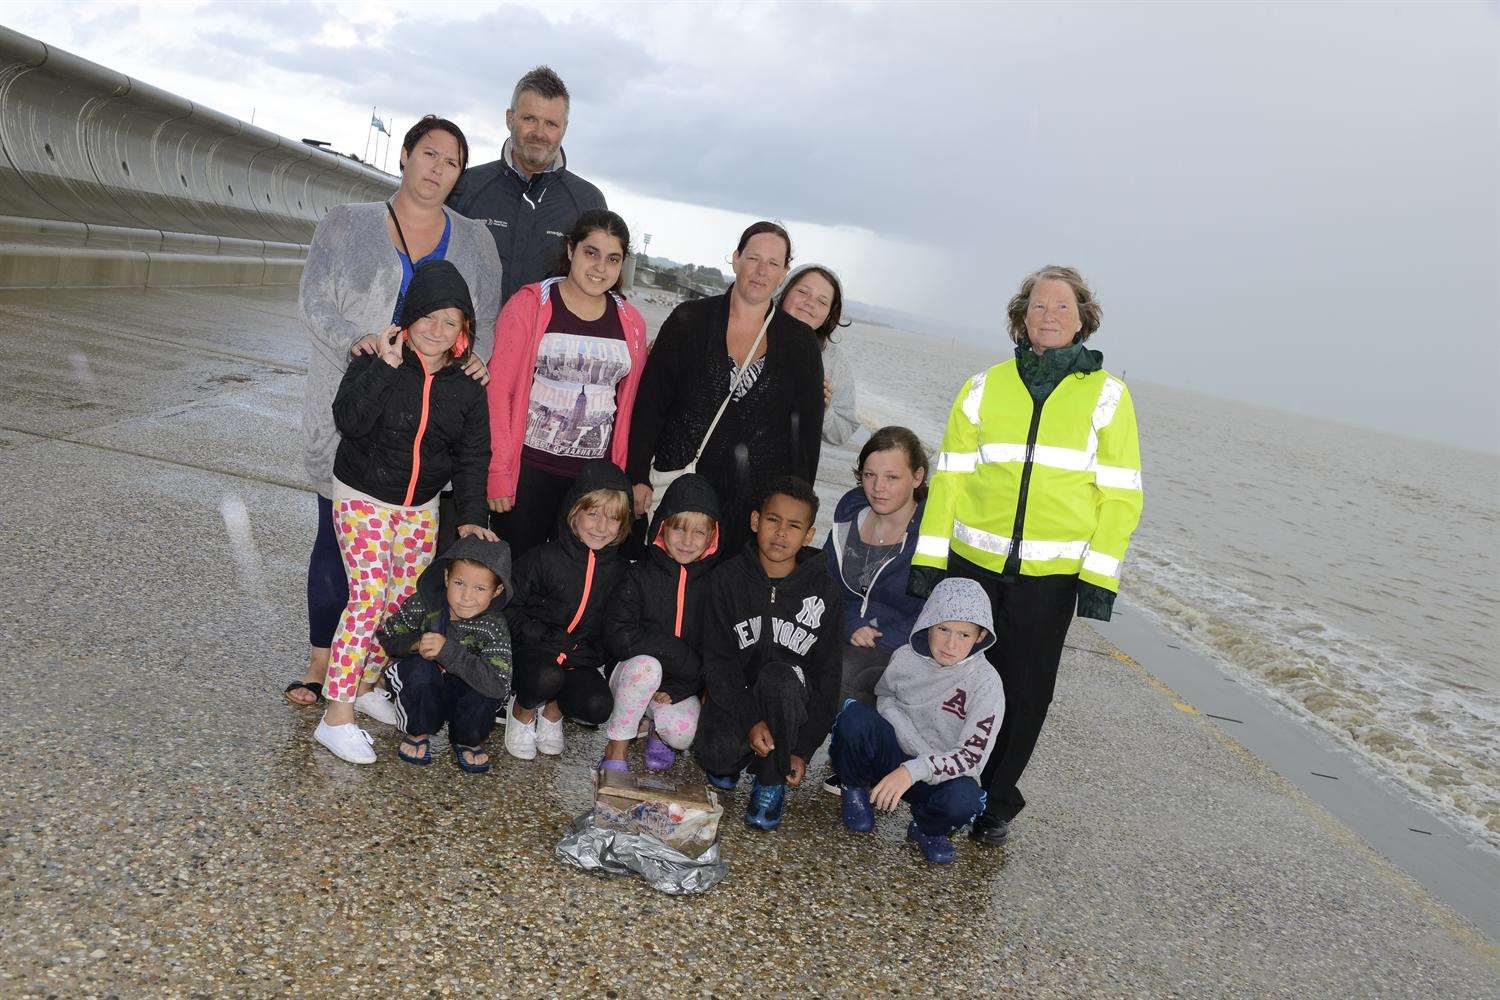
{"type": "Point", "coordinates": [1062, 478]}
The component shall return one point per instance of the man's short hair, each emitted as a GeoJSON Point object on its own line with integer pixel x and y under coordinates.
{"type": "Point", "coordinates": [542, 82]}
{"type": "Point", "coordinates": [789, 486]}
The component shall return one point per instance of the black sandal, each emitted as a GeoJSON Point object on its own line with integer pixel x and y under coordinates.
{"type": "Point", "coordinates": [467, 766]}
{"type": "Point", "coordinates": [419, 745]}
{"type": "Point", "coordinates": [316, 689]}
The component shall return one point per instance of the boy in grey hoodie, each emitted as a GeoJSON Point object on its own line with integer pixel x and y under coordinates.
{"type": "Point", "coordinates": [938, 708]}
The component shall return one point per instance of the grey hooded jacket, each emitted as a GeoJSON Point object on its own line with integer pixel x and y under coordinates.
{"type": "Point", "coordinates": [349, 288]}
{"type": "Point", "coordinates": [478, 649]}
{"type": "Point", "coordinates": [947, 717]}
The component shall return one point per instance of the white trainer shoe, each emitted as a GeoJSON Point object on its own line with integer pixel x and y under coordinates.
{"type": "Point", "coordinates": [549, 735]}
{"type": "Point", "coordinates": [377, 705]}
{"type": "Point", "coordinates": [346, 742]}
{"type": "Point", "coordinates": [520, 738]}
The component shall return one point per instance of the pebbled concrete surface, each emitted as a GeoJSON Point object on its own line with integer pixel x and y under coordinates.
{"type": "Point", "coordinates": [167, 829]}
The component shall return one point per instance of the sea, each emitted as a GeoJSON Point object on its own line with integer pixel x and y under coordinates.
{"type": "Point", "coordinates": [1349, 573]}
{"type": "Point", "coordinates": [1352, 575]}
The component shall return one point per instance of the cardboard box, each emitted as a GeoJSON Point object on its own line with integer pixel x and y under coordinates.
{"type": "Point", "coordinates": [685, 817]}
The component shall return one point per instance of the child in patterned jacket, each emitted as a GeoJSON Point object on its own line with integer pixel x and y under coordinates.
{"type": "Point", "coordinates": [451, 647]}
{"type": "Point", "coordinates": [938, 707]}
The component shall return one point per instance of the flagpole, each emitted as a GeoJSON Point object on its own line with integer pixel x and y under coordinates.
{"type": "Point", "coordinates": [368, 132]}
{"type": "Point", "coordinates": [386, 163]}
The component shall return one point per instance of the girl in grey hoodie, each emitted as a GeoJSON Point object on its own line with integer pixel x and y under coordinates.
{"type": "Point", "coordinates": [938, 708]}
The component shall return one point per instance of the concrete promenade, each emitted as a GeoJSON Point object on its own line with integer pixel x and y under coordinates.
{"type": "Point", "coordinates": [167, 829]}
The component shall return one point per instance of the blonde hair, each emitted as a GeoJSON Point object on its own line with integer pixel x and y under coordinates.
{"type": "Point", "coordinates": [614, 502]}
{"type": "Point", "coordinates": [685, 518]}
{"type": "Point", "coordinates": [1089, 310]}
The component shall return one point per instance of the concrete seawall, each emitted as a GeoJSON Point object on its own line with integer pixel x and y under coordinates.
{"type": "Point", "coordinates": [106, 182]}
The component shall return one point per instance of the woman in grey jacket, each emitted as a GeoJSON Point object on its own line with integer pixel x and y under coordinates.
{"type": "Point", "coordinates": [358, 267]}
{"type": "Point", "coordinates": [813, 294]}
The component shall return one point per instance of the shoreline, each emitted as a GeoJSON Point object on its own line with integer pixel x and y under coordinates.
{"type": "Point", "coordinates": [187, 836]}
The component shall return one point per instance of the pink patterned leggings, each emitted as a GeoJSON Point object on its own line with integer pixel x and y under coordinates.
{"type": "Point", "coordinates": [384, 552]}
{"type": "Point", "coordinates": [633, 683]}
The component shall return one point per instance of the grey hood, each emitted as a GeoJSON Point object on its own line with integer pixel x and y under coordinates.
{"type": "Point", "coordinates": [955, 600]}
{"type": "Point", "coordinates": [493, 555]}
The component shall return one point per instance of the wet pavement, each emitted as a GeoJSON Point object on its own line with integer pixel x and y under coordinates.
{"type": "Point", "coordinates": [169, 830]}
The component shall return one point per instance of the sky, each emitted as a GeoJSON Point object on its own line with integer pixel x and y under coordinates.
{"type": "Point", "coordinates": [1293, 205]}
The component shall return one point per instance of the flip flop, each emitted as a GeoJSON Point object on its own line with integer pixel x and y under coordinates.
{"type": "Point", "coordinates": [316, 689]}
{"type": "Point", "coordinates": [463, 765]}
{"type": "Point", "coordinates": [419, 745]}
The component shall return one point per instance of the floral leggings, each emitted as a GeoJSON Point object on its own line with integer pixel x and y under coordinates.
{"type": "Point", "coordinates": [633, 683]}
{"type": "Point", "coordinates": [384, 551]}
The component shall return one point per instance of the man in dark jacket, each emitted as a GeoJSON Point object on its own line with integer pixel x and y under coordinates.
{"type": "Point", "coordinates": [528, 198]}
{"type": "Point", "coordinates": [770, 654]}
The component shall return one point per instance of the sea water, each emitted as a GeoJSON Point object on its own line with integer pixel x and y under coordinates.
{"type": "Point", "coordinates": [1351, 574]}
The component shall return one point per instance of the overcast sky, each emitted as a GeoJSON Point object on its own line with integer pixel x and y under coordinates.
{"type": "Point", "coordinates": [1296, 205]}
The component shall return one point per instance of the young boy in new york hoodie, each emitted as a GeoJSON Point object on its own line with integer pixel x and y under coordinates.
{"type": "Point", "coordinates": [937, 709]}
{"type": "Point", "coordinates": [770, 654]}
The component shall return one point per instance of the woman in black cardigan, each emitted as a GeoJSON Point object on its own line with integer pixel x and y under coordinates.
{"type": "Point", "coordinates": [772, 426]}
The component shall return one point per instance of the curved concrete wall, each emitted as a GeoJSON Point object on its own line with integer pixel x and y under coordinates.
{"type": "Point", "coordinates": [81, 143]}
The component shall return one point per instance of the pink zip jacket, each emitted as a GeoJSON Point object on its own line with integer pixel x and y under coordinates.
{"type": "Point", "coordinates": [518, 337]}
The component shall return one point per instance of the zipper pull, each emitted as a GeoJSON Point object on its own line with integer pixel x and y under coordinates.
{"type": "Point", "coordinates": [773, 593]}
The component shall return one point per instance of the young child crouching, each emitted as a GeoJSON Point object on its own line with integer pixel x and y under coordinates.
{"type": "Point", "coordinates": [654, 626]}
{"type": "Point", "coordinates": [451, 645]}
{"type": "Point", "coordinates": [770, 654]}
{"type": "Point", "coordinates": [938, 707]}
{"type": "Point", "coordinates": [562, 589]}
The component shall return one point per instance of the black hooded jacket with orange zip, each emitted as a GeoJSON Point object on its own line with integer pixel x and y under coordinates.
{"type": "Point", "coordinates": [658, 609]}
{"type": "Point", "coordinates": [405, 433]}
{"type": "Point", "coordinates": [563, 588]}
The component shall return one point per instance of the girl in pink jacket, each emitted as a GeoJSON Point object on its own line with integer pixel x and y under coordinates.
{"type": "Point", "coordinates": [569, 352]}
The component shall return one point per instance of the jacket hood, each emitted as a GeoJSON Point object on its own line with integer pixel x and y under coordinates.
{"type": "Point", "coordinates": [596, 474]}
{"type": "Point", "coordinates": [689, 493]}
{"type": "Point", "coordinates": [435, 285]}
{"type": "Point", "coordinates": [811, 565]}
{"type": "Point", "coordinates": [955, 600]}
{"type": "Point", "coordinates": [493, 555]}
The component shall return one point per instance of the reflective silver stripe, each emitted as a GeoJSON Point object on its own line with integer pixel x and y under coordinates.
{"type": "Point", "coordinates": [1052, 456]}
{"type": "Point", "coordinates": [1002, 453]}
{"type": "Point", "coordinates": [972, 400]}
{"type": "Point", "coordinates": [1033, 551]}
{"type": "Point", "coordinates": [1117, 477]}
{"type": "Point", "coordinates": [1101, 565]}
{"type": "Point", "coordinates": [958, 461]}
{"type": "Point", "coordinates": [932, 545]}
{"type": "Point", "coordinates": [981, 539]}
{"type": "Point", "coordinates": [1048, 551]}
{"type": "Point", "coordinates": [1109, 399]}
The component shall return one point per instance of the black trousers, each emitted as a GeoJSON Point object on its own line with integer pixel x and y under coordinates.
{"type": "Point", "coordinates": [1032, 614]}
{"type": "Point", "coordinates": [723, 747]}
{"type": "Point", "coordinates": [863, 667]}
{"type": "Point", "coordinates": [582, 693]}
{"type": "Point", "coordinates": [427, 698]}
{"type": "Point", "coordinates": [533, 519]}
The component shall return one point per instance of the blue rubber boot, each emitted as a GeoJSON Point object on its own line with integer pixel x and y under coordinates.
{"type": "Point", "coordinates": [723, 782]}
{"type": "Point", "coordinates": [857, 813]}
{"type": "Point", "coordinates": [936, 848]}
{"type": "Point", "coordinates": [767, 802]}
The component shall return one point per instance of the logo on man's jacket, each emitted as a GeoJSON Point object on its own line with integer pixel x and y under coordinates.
{"type": "Point", "coordinates": [956, 704]}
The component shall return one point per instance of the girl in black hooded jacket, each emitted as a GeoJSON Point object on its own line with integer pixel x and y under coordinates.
{"type": "Point", "coordinates": [557, 614]}
{"type": "Point", "coordinates": [409, 421]}
{"type": "Point", "coordinates": [654, 626]}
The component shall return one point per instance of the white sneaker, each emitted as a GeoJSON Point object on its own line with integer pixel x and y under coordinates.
{"type": "Point", "coordinates": [346, 742]}
{"type": "Point", "coordinates": [549, 735]}
{"type": "Point", "coordinates": [520, 738]}
{"type": "Point", "coordinates": [377, 705]}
